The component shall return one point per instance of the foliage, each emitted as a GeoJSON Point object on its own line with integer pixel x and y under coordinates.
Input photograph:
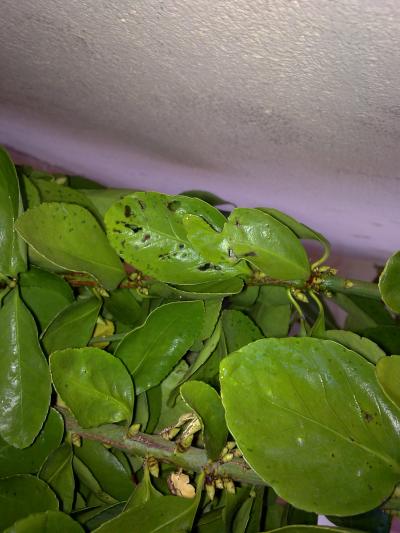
{"type": "Point", "coordinates": [167, 366]}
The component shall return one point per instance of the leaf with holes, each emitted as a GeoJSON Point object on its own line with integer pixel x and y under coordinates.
{"type": "Point", "coordinates": [147, 230]}
{"type": "Point", "coordinates": [268, 244]}
{"type": "Point", "coordinates": [312, 421]}
{"type": "Point", "coordinates": [94, 384]}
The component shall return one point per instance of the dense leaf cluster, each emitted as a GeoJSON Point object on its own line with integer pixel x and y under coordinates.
{"type": "Point", "coordinates": [167, 366]}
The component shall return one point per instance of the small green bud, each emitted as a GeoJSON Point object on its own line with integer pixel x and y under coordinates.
{"type": "Point", "coordinates": [76, 440]}
{"type": "Point", "coordinates": [229, 485]}
{"type": "Point", "coordinates": [219, 483]}
{"type": "Point", "coordinates": [133, 430]}
{"type": "Point", "coordinates": [227, 457]}
{"type": "Point", "coordinates": [152, 465]}
{"type": "Point", "coordinates": [210, 490]}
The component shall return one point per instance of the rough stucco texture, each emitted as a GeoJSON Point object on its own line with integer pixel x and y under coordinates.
{"type": "Point", "coordinates": [294, 104]}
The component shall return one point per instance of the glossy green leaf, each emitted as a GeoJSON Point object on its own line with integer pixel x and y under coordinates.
{"type": "Point", "coordinates": [376, 521]}
{"type": "Point", "coordinates": [12, 248]}
{"type": "Point", "coordinates": [363, 312]}
{"type": "Point", "coordinates": [47, 522]}
{"type": "Point", "coordinates": [271, 311]}
{"type": "Point", "coordinates": [124, 307]}
{"type": "Point", "coordinates": [162, 515]}
{"type": "Point", "coordinates": [301, 230]}
{"type": "Point", "coordinates": [212, 245]}
{"type": "Point", "coordinates": [233, 503]}
{"type": "Point", "coordinates": [53, 192]}
{"type": "Point", "coordinates": [45, 294]}
{"type": "Point", "coordinates": [143, 493]}
{"type": "Point", "coordinates": [147, 230]}
{"type": "Point", "coordinates": [167, 413]}
{"type": "Point", "coordinates": [307, 423]}
{"type": "Point", "coordinates": [205, 353]}
{"type": "Point", "coordinates": [151, 351]}
{"type": "Point", "coordinates": [106, 468]}
{"type": "Point", "coordinates": [361, 345]}
{"type": "Point", "coordinates": [30, 194]}
{"type": "Point", "coordinates": [206, 403]}
{"type": "Point", "coordinates": [212, 309]}
{"type": "Point", "coordinates": [389, 283]}
{"type": "Point", "coordinates": [73, 327]}
{"type": "Point", "coordinates": [209, 290]}
{"type": "Point", "coordinates": [206, 196]}
{"type": "Point", "coordinates": [62, 234]}
{"type": "Point", "coordinates": [246, 298]}
{"type": "Point", "coordinates": [91, 487]}
{"type": "Point", "coordinates": [22, 495]}
{"type": "Point", "coordinates": [311, 529]}
{"type": "Point", "coordinates": [57, 473]}
{"type": "Point", "coordinates": [268, 244]}
{"type": "Point", "coordinates": [238, 329]}
{"type": "Point", "coordinates": [388, 374]}
{"type": "Point", "coordinates": [94, 384]}
{"type": "Point", "coordinates": [24, 375]}
{"type": "Point", "coordinates": [387, 337]}
{"type": "Point", "coordinates": [95, 517]}
{"type": "Point", "coordinates": [29, 460]}
{"type": "Point", "coordinates": [103, 199]}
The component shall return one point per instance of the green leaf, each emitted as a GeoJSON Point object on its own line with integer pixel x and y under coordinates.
{"type": "Point", "coordinates": [53, 192]}
{"type": "Point", "coordinates": [124, 307]}
{"type": "Point", "coordinates": [12, 248]}
{"type": "Point", "coordinates": [239, 329]}
{"type": "Point", "coordinates": [363, 312]}
{"type": "Point", "coordinates": [88, 482]}
{"type": "Point", "coordinates": [30, 194]}
{"type": "Point", "coordinates": [147, 230]}
{"type": "Point", "coordinates": [45, 294]}
{"type": "Point", "coordinates": [106, 468]}
{"type": "Point", "coordinates": [73, 327]}
{"type": "Point", "coordinates": [158, 398]}
{"type": "Point", "coordinates": [266, 243]}
{"type": "Point", "coordinates": [206, 196]}
{"type": "Point", "coordinates": [212, 309]}
{"type": "Point", "coordinates": [162, 515]}
{"type": "Point", "coordinates": [206, 403]}
{"type": "Point", "coordinates": [103, 199]}
{"type": "Point", "coordinates": [151, 351]}
{"type": "Point", "coordinates": [47, 522]}
{"type": "Point", "coordinates": [311, 529]}
{"type": "Point", "coordinates": [301, 230]}
{"type": "Point", "coordinates": [24, 375]}
{"type": "Point", "coordinates": [205, 353]}
{"type": "Point", "coordinates": [62, 234]}
{"type": "Point", "coordinates": [212, 245]}
{"type": "Point", "coordinates": [29, 460]}
{"type": "Point", "coordinates": [311, 420]}
{"type": "Point", "coordinates": [95, 517]}
{"type": "Point", "coordinates": [361, 345]}
{"type": "Point", "coordinates": [22, 495]}
{"type": "Point", "coordinates": [272, 311]}
{"type": "Point", "coordinates": [387, 337]}
{"type": "Point", "coordinates": [389, 283]}
{"type": "Point", "coordinates": [388, 375]}
{"type": "Point", "coordinates": [209, 290]}
{"type": "Point", "coordinates": [58, 474]}
{"type": "Point", "coordinates": [376, 521]}
{"type": "Point", "coordinates": [143, 493]}
{"type": "Point", "coordinates": [94, 384]}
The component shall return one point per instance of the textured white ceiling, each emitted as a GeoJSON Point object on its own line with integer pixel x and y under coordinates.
{"type": "Point", "coordinates": [294, 104]}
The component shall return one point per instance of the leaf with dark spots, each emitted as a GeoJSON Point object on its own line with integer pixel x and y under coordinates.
{"type": "Point", "coordinates": [164, 251]}
{"type": "Point", "coordinates": [127, 211]}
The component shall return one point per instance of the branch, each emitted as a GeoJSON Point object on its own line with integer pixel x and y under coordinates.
{"type": "Point", "coordinates": [350, 287]}
{"type": "Point", "coordinates": [143, 445]}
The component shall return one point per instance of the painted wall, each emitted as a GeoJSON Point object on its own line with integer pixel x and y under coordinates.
{"type": "Point", "coordinates": [289, 103]}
